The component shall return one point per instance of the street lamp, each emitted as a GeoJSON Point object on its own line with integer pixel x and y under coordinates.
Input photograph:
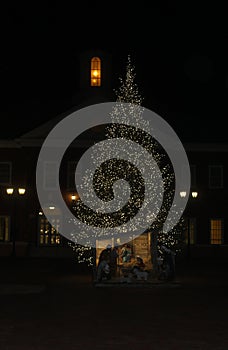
{"type": "Point", "coordinates": [183, 194]}
{"type": "Point", "coordinates": [194, 194]}
{"type": "Point", "coordinates": [21, 191]}
{"type": "Point", "coordinates": [74, 198]}
{"type": "Point", "coordinates": [10, 191]}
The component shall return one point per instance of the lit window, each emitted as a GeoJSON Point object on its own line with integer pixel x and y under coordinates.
{"type": "Point", "coordinates": [216, 231]}
{"type": "Point", "coordinates": [48, 234]}
{"type": "Point", "coordinates": [95, 77]}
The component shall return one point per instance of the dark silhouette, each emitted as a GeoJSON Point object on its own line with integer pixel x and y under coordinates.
{"type": "Point", "coordinates": [168, 262]}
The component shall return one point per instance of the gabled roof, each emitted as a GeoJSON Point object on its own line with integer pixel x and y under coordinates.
{"type": "Point", "coordinates": [35, 137]}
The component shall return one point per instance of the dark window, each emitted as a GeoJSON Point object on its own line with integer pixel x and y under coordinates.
{"type": "Point", "coordinates": [50, 175]}
{"type": "Point", "coordinates": [193, 175]}
{"type": "Point", "coordinates": [190, 233]}
{"type": "Point", "coordinates": [215, 176]}
{"type": "Point", "coordinates": [5, 173]}
{"type": "Point", "coordinates": [71, 173]}
{"type": "Point", "coordinates": [4, 229]}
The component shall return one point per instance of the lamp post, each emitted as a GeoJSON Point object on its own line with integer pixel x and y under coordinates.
{"type": "Point", "coordinates": [14, 192]}
{"type": "Point", "coordinates": [183, 195]}
{"type": "Point", "coordinates": [194, 196]}
{"type": "Point", "coordinates": [74, 198]}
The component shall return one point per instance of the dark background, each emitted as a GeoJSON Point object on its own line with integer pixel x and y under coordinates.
{"type": "Point", "coordinates": [179, 52]}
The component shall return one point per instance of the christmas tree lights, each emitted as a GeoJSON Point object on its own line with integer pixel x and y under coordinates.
{"type": "Point", "coordinates": [117, 171]}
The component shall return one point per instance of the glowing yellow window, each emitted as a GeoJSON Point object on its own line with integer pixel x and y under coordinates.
{"type": "Point", "coordinates": [216, 231]}
{"type": "Point", "coordinates": [95, 79]}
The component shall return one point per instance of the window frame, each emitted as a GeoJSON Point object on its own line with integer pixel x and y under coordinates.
{"type": "Point", "coordinates": [192, 227]}
{"type": "Point", "coordinates": [222, 231]}
{"type": "Point", "coordinates": [71, 167]}
{"type": "Point", "coordinates": [49, 235]}
{"type": "Point", "coordinates": [193, 175]}
{"type": "Point", "coordinates": [45, 172]}
{"type": "Point", "coordinates": [95, 66]}
{"type": "Point", "coordinates": [10, 174]}
{"type": "Point", "coordinates": [210, 167]}
{"type": "Point", "coordinates": [72, 174]}
{"type": "Point", "coordinates": [4, 240]}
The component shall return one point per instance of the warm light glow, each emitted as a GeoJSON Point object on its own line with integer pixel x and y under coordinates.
{"type": "Point", "coordinates": [9, 190]}
{"type": "Point", "coordinates": [183, 194]}
{"type": "Point", "coordinates": [194, 194]}
{"type": "Point", "coordinates": [51, 208]}
{"type": "Point", "coordinates": [127, 92]}
{"type": "Point", "coordinates": [21, 190]}
{"type": "Point", "coordinates": [95, 71]}
{"type": "Point", "coordinates": [73, 197]}
{"type": "Point", "coordinates": [216, 231]}
{"type": "Point", "coordinates": [40, 213]}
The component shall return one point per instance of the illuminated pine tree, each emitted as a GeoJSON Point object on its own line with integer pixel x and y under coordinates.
{"type": "Point", "coordinates": [127, 123]}
{"type": "Point", "coordinates": [128, 93]}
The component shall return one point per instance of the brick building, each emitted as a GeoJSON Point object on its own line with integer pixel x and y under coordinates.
{"type": "Point", "coordinates": [25, 231]}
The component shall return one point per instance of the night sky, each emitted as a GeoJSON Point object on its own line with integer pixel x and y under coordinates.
{"type": "Point", "coordinates": [179, 52]}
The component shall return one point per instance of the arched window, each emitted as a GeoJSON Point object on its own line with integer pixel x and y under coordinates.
{"type": "Point", "coordinates": [95, 71]}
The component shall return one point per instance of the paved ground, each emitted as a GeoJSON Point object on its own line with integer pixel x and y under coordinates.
{"type": "Point", "coordinates": [48, 305]}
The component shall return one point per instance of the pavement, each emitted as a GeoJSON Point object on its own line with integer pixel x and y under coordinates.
{"type": "Point", "coordinates": [51, 304]}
